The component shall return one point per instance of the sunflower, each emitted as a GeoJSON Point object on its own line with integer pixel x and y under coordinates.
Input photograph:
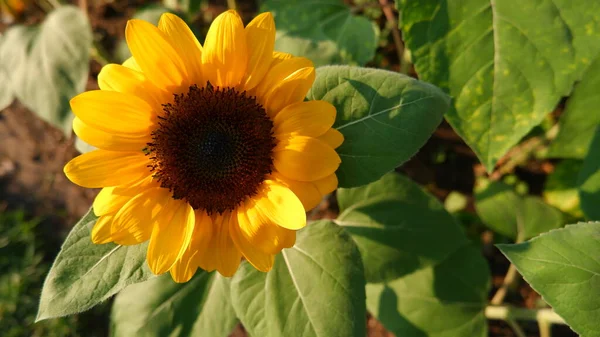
{"type": "Point", "coordinates": [209, 152]}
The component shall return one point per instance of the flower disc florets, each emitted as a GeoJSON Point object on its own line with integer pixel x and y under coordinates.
{"type": "Point", "coordinates": [213, 147]}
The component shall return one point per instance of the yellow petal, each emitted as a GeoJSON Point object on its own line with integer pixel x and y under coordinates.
{"type": "Point", "coordinates": [327, 184]}
{"type": "Point", "coordinates": [155, 55]}
{"type": "Point", "coordinates": [333, 138]}
{"type": "Point", "coordinates": [278, 204]}
{"type": "Point", "coordinates": [106, 140]}
{"type": "Point", "coordinates": [291, 90]}
{"type": "Point", "coordinates": [304, 158]}
{"type": "Point", "coordinates": [102, 168]}
{"type": "Point", "coordinates": [306, 191]}
{"type": "Point", "coordinates": [186, 45]}
{"type": "Point", "coordinates": [226, 254]}
{"type": "Point", "coordinates": [111, 199]}
{"type": "Point", "coordinates": [312, 118]}
{"type": "Point", "coordinates": [171, 235]}
{"type": "Point", "coordinates": [260, 34]}
{"type": "Point", "coordinates": [260, 231]}
{"type": "Point", "coordinates": [225, 54]}
{"type": "Point", "coordinates": [119, 78]}
{"type": "Point", "coordinates": [279, 57]}
{"type": "Point", "coordinates": [133, 222]}
{"type": "Point", "coordinates": [258, 258]}
{"type": "Point", "coordinates": [132, 64]}
{"type": "Point", "coordinates": [278, 72]}
{"type": "Point", "coordinates": [194, 255]}
{"type": "Point", "coordinates": [101, 231]}
{"type": "Point", "coordinates": [207, 232]}
{"type": "Point", "coordinates": [114, 112]}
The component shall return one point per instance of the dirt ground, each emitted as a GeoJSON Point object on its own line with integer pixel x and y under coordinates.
{"type": "Point", "coordinates": [33, 153]}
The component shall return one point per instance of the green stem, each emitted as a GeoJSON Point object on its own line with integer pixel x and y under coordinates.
{"type": "Point", "coordinates": [516, 328]}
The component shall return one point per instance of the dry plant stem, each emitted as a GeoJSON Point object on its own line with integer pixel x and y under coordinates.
{"type": "Point", "coordinates": [389, 15]}
{"type": "Point", "coordinates": [504, 313]}
{"type": "Point", "coordinates": [231, 4]}
{"type": "Point", "coordinates": [521, 153]}
{"type": "Point", "coordinates": [511, 275]}
{"type": "Point", "coordinates": [545, 328]}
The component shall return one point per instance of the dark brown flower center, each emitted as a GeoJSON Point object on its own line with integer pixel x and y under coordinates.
{"type": "Point", "coordinates": [213, 148]}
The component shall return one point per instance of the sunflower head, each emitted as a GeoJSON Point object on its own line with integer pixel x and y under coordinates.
{"type": "Point", "coordinates": [209, 152]}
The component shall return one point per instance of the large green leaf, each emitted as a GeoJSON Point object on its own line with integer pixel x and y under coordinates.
{"type": "Point", "coordinates": [398, 227]}
{"type": "Point", "coordinates": [161, 307]}
{"type": "Point", "coordinates": [589, 180]}
{"type": "Point", "coordinates": [563, 267]}
{"type": "Point", "coordinates": [325, 31]}
{"type": "Point", "coordinates": [48, 64]}
{"type": "Point", "coordinates": [505, 70]}
{"type": "Point", "coordinates": [316, 288]}
{"type": "Point", "coordinates": [385, 118]}
{"type": "Point", "coordinates": [85, 274]}
{"type": "Point", "coordinates": [508, 213]}
{"type": "Point", "coordinates": [446, 300]}
{"type": "Point", "coordinates": [579, 120]}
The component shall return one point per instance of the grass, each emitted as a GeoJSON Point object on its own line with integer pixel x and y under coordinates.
{"type": "Point", "coordinates": [23, 262]}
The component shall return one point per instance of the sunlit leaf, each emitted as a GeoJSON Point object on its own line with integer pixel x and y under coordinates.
{"type": "Point", "coordinates": [161, 307]}
{"type": "Point", "coordinates": [385, 118]}
{"type": "Point", "coordinates": [398, 227]}
{"type": "Point", "coordinates": [561, 186]}
{"type": "Point", "coordinates": [6, 91]}
{"type": "Point", "coordinates": [315, 289]}
{"type": "Point", "coordinates": [325, 31]}
{"type": "Point", "coordinates": [505, 71]}
{"type": "Point", "coordinates": [563, 267]}
{"type": "Point", "coordinates": [85, 274]}
{"type": "Point", "coordinates": [48, 64]}
{"type": "Point", "coordinates": [589, 180]}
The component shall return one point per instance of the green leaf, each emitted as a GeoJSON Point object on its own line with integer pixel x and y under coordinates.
{"type": "Point", "coordinates": [561, 188]}
{"type": "Point", "coordinates": [563, 267]}
{"type": "Point", "coordinates": [85, 274]}
{"type": "Point", "coordinates": [589, 180]}
{"type": "Point", "coordinates": [578, 121]}
{"type": "Point", "coordinates": [505, 71]}
{"type": "Point", "coordinates": [48, 64]}
{"type": "Point", "coordinates": [316, 288]}
{"type": "Point", "coordinates": [325, 31]}
{"type": "Point", "coordinates": [508, 213]}
{"type": "Point", "coordinates": [6, 91]}
{"type": "Point", "coordinates": [446, 300]}
{"type": "Point", "coordinates": [385, 118]}
{"type": "Point", "coordinates": [398, 227]}
{"type": "Point", "coordinates": [161, 307]}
